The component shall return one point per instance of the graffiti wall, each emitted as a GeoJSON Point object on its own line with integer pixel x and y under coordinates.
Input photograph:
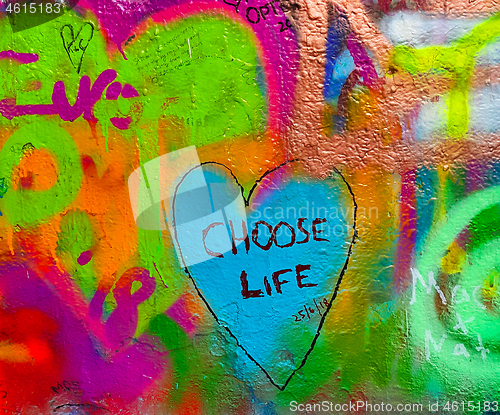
{"type": "Point", "coordinates": [249, 207]}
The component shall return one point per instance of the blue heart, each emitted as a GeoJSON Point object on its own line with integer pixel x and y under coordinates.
{"type": "Point", "coordinates": [271, 290]}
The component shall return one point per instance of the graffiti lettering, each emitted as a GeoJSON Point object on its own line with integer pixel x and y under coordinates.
{"type": "Point", "coordinates": [264, 10]}
{"type": "Point", "coordinates": [253, 21]}
{"type": "Point", "coordinates": [273, 232]}
{"type": "Point", "coordinates": [465, 297]}
{"type": "Point", "coordinates": [235, 5]}
{"type": "Point", "coordinates": [86, 99]}
{"type": "Point", "coordinates": [256, 15]}
{"type": "Point", "coordinates": [277, 281]}
{"type": "Point", "coordinates": [458, 350]}
{"type": "Point", "coordinates": [432, 284]}
{"type": "Point", "coordinates": [67, 386]}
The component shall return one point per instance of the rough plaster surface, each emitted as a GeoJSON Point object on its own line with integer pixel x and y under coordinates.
{"type": "Point", "coordinates": [351, 257]}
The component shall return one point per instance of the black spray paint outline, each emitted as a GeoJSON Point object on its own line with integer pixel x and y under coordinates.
{"type": "Point", "coordinates": [247, 203]}
{"type": "Point", "coordinates": [67, 47]}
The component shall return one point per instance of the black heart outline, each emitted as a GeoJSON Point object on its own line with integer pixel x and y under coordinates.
{"type": "Point", "coordinates": [247, 203]}
{"type": "Point", "coordinates": [78, 66]}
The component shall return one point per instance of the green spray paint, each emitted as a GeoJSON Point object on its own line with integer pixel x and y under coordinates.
{"type": "Point", "coordinates": [192, 70]}
{"type": "Point", "coordinates": [455, 62]}
{"type": "Point", "coordinates": [447, 347]}
{"type": "Point", "coordinates": [77, 236]}
{"type": "Point", "coordinates": [181, 353]}
{"type": "Point", "coordinates": [25, 206]}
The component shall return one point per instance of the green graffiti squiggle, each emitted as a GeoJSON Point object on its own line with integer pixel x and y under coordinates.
{"type": "Point", "coordinates": [482, 367]}
{"type": "Point", "coordinates": [456, 62]}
